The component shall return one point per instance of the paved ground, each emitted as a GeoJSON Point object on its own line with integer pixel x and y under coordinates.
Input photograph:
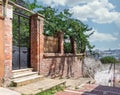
{"type": "Point", "coordinates": [36, 87]}
{"type": "Point", "coordinates": [47, 83]}
{"type": "Point", "coordinates": [91, 89]}
{"type": "Point", "coordinates": [74, 83]}
{"type": "Point", "coordinates": [82, 88]}
{"type": "Point", "coordinates": [5, 91]}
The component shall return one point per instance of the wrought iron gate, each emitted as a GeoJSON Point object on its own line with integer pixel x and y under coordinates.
{"type": "Point", "coordinates": [21, 41]}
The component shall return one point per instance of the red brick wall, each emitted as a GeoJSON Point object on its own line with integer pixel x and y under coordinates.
{"type": "Point", "coordinates": [37, 41]}
{"type": "Point", "coordinates": [74, 47]}
{"type": "Point", "coordinates": [50, 44]}
{"type": "Point", "coordinates": [56, 64]}
{"type": "Point", "coordinates": [1, 51]}
{"type": "Point", "coordinates": [61, 64]}
{"type": "Point", "coordinates": [61, 42]}
{"type": "Point", "coordinates": [6, 48]}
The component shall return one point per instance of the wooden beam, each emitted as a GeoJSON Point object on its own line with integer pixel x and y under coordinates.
{"type": "Point", "coordinates": [18, 6]}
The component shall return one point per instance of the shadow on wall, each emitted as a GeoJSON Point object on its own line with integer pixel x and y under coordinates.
{"type": "Point", "coordinates": [69, 67]}
{"type": "Point", "coordinates": [64, 66]}
{"type": "Point", "coordinates": [61, 67]}
{"type": "Point", "coordinates": [52, 68]}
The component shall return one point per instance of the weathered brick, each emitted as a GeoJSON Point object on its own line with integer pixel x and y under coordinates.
{"type": "Point", "coordinates": [37, 41]}
{"type": "Point", "coordinates": [61, 42]}
{"type": "Point", "coordinates": [1, 50]}
{"type": "Point", "coordinates": [6, 48]}
{"type": "Point", "coordinates": [70, 66]}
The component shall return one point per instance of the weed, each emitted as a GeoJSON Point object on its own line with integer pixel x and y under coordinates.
{"type": "Point", "coordinates": [52, 90]}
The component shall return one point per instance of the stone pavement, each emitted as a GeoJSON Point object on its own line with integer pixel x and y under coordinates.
{"type": "Point", "coordinates": [47, 83]}
{"type": "Point", "coordinates": [5, 91]}
{"type": "Point", "coordinates": [92, 89]}
{"type": "Point", "coordinates": [42, 85]}
{"type": "Point", "coordinates": [75, 83]}
{"type": "Point", "coordinates": [36, 87]}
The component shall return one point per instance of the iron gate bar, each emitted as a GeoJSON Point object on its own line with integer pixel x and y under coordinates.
{"type": "Point", "coordinates": [19, 38]}
{"type": "Point", "coordinates": [19, 16]}
{"type": "Point", "coordinates": [22, 15]}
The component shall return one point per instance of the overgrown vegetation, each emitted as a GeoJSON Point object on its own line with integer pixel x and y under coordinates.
{"type": "Point", "coordinates": [52, 91]}
{"type": "Point", "coordinates": [108, 59]}
{"type": "Point", "coordinates": [23, 29]}
{"type": "Point", "coordinates": [67, 47]}
{"type": "Point", "coordinates": [57, 21]}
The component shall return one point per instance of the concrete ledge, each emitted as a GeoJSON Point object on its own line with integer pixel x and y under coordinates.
{"type": "Point", "coordinates": [52, 55]}
{"type": "Point", "coordinates": [5, 91]}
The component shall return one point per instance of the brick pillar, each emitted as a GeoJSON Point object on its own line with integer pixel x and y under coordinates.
{"type": "Point", "coordinates": [61, 42]}
{"type": "Point", "coordinates": [1, 47]}
{"type": "Point", "coordinates": [37, 41]}
{"type": "Point", "coordinates": [73, 44]}
{"type": "Point", "coordinates": [6, 45]}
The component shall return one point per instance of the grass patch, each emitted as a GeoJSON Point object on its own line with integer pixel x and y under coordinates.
{"type": "Point", "coordinates": [52, 90]}
{"type": "Point", "coordinates": [12, 84]}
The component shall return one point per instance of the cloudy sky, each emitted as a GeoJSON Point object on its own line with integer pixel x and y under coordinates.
{"type": "Point", "coordinates": [102, 15]}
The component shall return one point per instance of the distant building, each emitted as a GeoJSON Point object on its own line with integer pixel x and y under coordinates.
{"type": "Point", "coordinates": [102, 53]}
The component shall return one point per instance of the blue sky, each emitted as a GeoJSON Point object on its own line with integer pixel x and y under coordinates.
{"type": "Point", "coordinates": [102, 15]}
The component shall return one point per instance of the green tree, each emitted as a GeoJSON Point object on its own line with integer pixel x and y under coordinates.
{"type": "Point", "coordinates": [20, 24]}
{"type": "Point", "coordinates": [108, 59]}
{"type": "Point", "coordinates": [56, 21]}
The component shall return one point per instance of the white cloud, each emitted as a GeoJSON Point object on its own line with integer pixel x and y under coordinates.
{"type": "Point", "coordinates": [99, 11]}
{"type": "Point", "coordinates": [99, 37]}
{"type": "Point", "coordinates": [118, 45]}
{"type": "Point", "coordinates": [65, 2]}
{"type": "Point", "coordinates": [117, 34]}
{"type": "Point", "coordinates": [54, 2]}
{"type": "Point", "coordinates": [77, 2]}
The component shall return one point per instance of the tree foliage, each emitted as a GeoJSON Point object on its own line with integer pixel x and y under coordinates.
{"type": "Point", "coordinates": [108, 59]}
{"type": "Point", "coordinates": [67, 47]}
{"type": "Point", "coordinates": [62, 21]}
{"type": "Point", "coordinates": [20, 26]}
